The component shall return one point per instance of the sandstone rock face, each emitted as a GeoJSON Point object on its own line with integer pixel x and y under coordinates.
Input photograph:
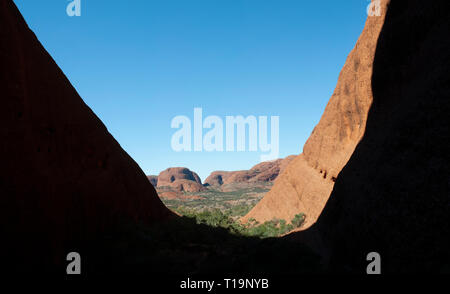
{"type": "Point", "coordinates": [180, 179]}
{"type": "Point", "coordinates": [217, 178]}
{"type": "Point", "coordinates": [268, 171]}
{"type": "Point", "coordinates": [393, 196]}
{"type": "Point", "coordinates": [262, 172]}
{"type": "Point", "coordinates": [186, 186]}
{"type": "Point", "coordinates": [63, 177]}
{"type": "Point", "coordinates": [307, 182]}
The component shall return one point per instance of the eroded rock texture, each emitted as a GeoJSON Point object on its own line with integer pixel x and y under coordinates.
{"type": "Point", "coordinates": [263, 172]}
{"type": "Point", "coordinates": [393, 196]}
{"type": "Point", "coordinates": [180, 179]}
{"type": "Point", "coordinates": [307, 182]}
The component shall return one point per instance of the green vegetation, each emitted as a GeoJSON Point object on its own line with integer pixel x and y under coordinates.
{"type": "Point", "coordinates": [238, 199]}
{"type": "Point", "coordinates": [207, 239]}
{"type": "Point", "coordinates": [298, 220]}
{"type": "Point", "coordinates": [186, 245]}
{"type": "Point", "coordinates": [222, 209]}
{"type": "Point", "coordinates": [218, 219]}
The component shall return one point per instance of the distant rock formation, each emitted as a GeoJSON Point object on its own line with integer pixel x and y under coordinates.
{"type": "Point", "coordinates": [307, 182]}
{"type": "Point", "coordinates": [217, 178]}
{"type": "Point", "coordinates": [263, 172]}
{"type": "Point", "coordinates": [63, 177]}
{"type": "Point", "coordinates": [153, 180]}
{"type": "Point", "coordinates": [180, 179]}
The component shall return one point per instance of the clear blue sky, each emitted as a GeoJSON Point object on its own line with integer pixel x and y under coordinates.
{"type": "Point", "coordinates": [138, 64]}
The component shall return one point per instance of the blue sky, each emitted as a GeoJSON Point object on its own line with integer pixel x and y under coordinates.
{"type": "Point", "coordinates": [138, 64]}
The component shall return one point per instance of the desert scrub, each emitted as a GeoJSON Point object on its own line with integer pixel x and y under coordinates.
{"type": "Point", "coordinates": [219, 219]}
{"type": "Point", "coordinates": [298, 220]}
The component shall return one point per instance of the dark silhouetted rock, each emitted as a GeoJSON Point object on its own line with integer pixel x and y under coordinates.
{"type": "Point", "coordinates": [63, 177]}
{"type": "Point", "coordinates": [393, 196]}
